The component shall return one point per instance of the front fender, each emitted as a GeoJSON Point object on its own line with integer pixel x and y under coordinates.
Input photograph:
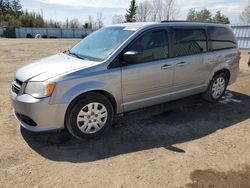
{"type": "Point", "coordinates": [66, 93]}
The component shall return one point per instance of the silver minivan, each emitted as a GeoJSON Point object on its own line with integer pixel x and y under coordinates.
{"type": "Point", "coordinates": [121, 68]}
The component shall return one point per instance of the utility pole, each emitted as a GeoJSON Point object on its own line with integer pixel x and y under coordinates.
{"type": "Point", "coordinates": [42, 12]}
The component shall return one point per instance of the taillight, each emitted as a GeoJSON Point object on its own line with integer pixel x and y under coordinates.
{"type": "Point", "coordinates": [239, 56]}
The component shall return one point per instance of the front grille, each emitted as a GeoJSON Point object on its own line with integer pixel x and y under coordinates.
{"type": "Point", "coordinates": [16, 86]}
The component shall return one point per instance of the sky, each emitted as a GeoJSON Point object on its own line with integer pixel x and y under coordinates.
{"type": "Point", "coordinates": [60, 10]}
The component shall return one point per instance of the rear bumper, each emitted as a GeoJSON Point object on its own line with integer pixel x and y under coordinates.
{"type": "Point", "coordinates": [43, 116]}
{"type": "Point", "coordinates": [234, 71]}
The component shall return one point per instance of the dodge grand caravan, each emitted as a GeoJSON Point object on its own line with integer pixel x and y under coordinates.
{"type": "Point", "coordinates": [122, 68]}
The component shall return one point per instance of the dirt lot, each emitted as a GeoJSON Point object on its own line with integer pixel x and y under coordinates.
{"type": "Point", "coordinates": [186, 143]}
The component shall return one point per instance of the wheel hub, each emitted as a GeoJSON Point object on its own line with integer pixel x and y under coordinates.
{"type": "Point", "coordinates": [218, 87]}
{"type": "Point", "coordinates": [92, 117]}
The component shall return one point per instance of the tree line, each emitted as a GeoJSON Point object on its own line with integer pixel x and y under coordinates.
{"type": "Point", "coordinates": [206, 15]}
{"type": "Point", "coordinates": [13, 15]}
{"type": "Point", "coordinates": [159, 10]}
{"type": "Point", "coordinates": [154, 10]}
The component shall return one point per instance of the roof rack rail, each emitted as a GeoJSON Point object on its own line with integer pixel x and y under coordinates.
{"type": "Point", "coordinates": [164, 21]}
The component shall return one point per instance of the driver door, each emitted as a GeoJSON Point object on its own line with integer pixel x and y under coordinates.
{"type": "Point", "coordinates": [148, 81]}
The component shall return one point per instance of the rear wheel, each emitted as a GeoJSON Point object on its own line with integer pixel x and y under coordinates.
{"type": "Point", "coordinates": [89, 116]}
{"type": "Point", "coordinates": [216, 88]}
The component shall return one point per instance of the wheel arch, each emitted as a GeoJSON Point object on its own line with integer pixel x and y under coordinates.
{"type": "Point", "coordinates": [224, 70]}
{"type": "Point", "coordinates": [103, 93]}
{"type": "Point", "coordinates": [106, 94]}
{"type": "Point", "coordinates": [218, 70]}
{"type": "Point", "coordinates": [207, 94]}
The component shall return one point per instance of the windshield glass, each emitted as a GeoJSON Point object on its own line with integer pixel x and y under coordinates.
{"type": "Point", "coordinates": [100, 44]}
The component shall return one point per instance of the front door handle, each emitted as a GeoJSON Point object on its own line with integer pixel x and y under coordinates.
{"type": "Point", "coordinates": [181, 64]}
{"type": "Point", "coordinates": [164, 67]}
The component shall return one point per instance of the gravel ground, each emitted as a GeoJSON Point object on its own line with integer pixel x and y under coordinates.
{"type": "Point", "coordinates": [185, 143]}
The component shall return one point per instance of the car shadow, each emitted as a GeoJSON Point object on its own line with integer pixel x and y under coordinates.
{"type": "Point", "coordinates": [159, 126]}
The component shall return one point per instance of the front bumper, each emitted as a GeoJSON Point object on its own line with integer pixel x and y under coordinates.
{"type": "Point", "coordinates": [45, 116]}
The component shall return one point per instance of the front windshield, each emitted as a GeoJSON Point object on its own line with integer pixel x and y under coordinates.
{"type": "Point", "coordinates": [100, 44]}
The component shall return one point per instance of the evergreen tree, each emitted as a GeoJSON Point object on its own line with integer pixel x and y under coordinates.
{"type": "Point", "coordinates": [204, 15]}
{"type": "Point", "coordinates": [131, 12]}
{"type": "Point", "coordinates": [191, 16]}
{"type": "Point", "coordinates": [16, 6]}
{"type": "Point", "coordinates": [12, 15]}
{"type": "Point", "coordinates": [219, 18]}
{"type": "Point", "coordinates": [2, 7]}
{"type": "Point", "coordinates": [7, 7]}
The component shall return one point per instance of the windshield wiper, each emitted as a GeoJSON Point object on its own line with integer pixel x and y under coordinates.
{"type": "Point", "coordinates": [74, 54]}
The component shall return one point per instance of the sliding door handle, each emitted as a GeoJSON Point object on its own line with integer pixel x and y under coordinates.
{"type": "Point", "coordinates": [181, 64]}
{"type": "Point", "coordinates": [164, 67]}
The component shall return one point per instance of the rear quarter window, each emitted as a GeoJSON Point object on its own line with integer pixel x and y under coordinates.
{"type": "Point", "coordinates": [221, 38]}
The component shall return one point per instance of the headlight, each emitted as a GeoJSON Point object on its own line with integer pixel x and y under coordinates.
{"type": "Point", "coordinates": [39, 89]}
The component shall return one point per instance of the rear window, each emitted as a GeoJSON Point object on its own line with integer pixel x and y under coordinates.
{"type": "Point", "coordinates": [221, 38]}
{"type": "Point", "coordinates": [188, 42]}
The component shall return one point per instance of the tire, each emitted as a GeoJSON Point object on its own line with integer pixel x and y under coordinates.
{"type": "Point", "coordinates": [89, 116]}
{"type": "Point", "coordinates": [210, 95]}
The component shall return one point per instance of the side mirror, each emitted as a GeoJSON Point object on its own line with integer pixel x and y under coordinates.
{"type": "Point", "coordinates": [131, 57]}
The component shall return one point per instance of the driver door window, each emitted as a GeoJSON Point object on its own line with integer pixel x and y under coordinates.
{"type": "Point", "coordinates": [152, 46]}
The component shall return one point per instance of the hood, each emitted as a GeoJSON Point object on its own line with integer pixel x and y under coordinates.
{"type": "Point", "coordinates": [50, 67]}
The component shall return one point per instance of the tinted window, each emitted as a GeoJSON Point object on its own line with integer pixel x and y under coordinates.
{"type": "Point", "coordinates": [188, 42]}
{"type": "Point", "coordinates": [152, 45]}
{"type": "Point", "coordinates": [221, 38]}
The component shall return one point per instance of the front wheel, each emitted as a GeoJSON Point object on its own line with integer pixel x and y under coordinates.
{"type": "Point", "coordinates": [89, 116]}
{"type": "Point", "coordinates": [216, 88]}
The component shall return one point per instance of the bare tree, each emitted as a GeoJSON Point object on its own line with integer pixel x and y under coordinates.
{"type": "Point", "coordinates": [156, 9]}
{"type": "Point", "coordinates": [90, 22]}
{"type": "Point", "coordinates": [245, 15]}
{"type": "Point", "coordinates": [143, 11]}
{"type": "Point", "coordinates": [169, 10]}
{"type": "Point", "coordinates": [74, 23]}
{"type": "Point", "coordinates": [67, 23]}
{"type": "Point", "coordinates": [99, 20]}
{"type": "Point", "coordinates": [164, 10]}
{"type": "Point", "coordinates": [118, 18]}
